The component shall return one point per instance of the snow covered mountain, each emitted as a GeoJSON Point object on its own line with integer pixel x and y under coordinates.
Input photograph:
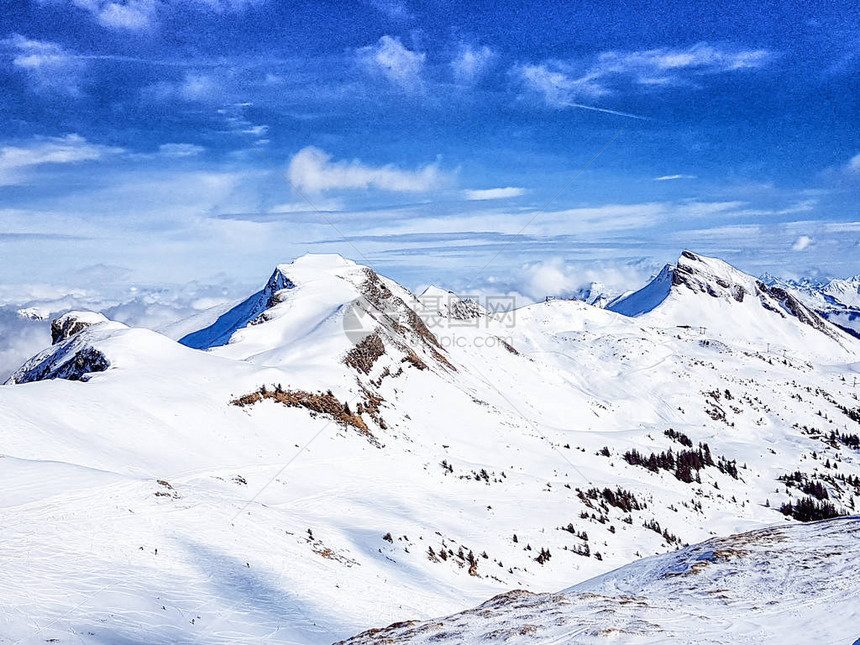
{"type": "Point", "coordinates": [334, 453]}
{"type": "Point", "coordinates": [837, 300]}
{"type": "Point", "coordinates": [594, 294]}
{"type": "Point", "coordinates": [734, 300]}
{"type": "Point", "coordinates": [739, 589]}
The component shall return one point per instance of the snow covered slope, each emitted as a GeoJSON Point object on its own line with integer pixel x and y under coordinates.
{"type": "Point", "coordinates": [735, 306]}
{"type": "Point", "coordinates": [779, 586]}
{"type": "Point", "coordinates": [345, 455]}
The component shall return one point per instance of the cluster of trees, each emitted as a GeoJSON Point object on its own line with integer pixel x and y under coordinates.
{"type": "Point", "coordinates": [851, 413]}
{"type": "Point", "coordinates": [812, 487]}
{"type": "Point", "coordinates": [850, 440]}
{"type": "Point", "coordinates": [619, 498]}
{"type": "Point", "coordinates": [685, 464]}
{"type": "Point", "coordinates": [680, 437]}
{"type": "Point", "coordinates": [654, 525]}
{"type": "Point", "coordinates": [808, 509]}
{"type": "Point", "coordinates": [582, 535]}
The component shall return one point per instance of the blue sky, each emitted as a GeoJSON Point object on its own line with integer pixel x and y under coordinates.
{"type": "Point", "coordinates": [155, 142]}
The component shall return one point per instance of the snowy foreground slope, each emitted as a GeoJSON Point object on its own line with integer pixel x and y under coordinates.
{"type": "Point", "coordinates": [785, 585]}
{"type": "Point", "coordinates": [334, 453]}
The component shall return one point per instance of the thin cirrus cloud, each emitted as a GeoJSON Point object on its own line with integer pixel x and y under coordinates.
{"type": "Point", "coordinates": [313, 170]}
{"type": "Point", "coordinates": [390, 59]}
{"type": "Point", "coordinates": [179, 150]}
{"type": "Point", "coordinates": [666, 65]}
{"type": "Point", "coordinates": [141, 15]}
{"type": "Point", "coordinates": [15, 161]}
{"type": "Point", "coordinates": [564, 84]}
{"type": "Point", "coordinates": [674, 177]}
{"type": "Point", "coordinates": [494, 193]}
{"type": "Point", "coordinates": [559, 90]}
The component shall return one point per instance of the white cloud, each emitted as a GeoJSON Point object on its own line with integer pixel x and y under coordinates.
{"type": "Point", "coordinates": [16, 160]}
{"type": "Point", "coordinates": [301, 206]}
{"type": "Point", "coordinates": [559, 90]}
{"type": "Point", "coordinates": [313, 170]}
{"type": "Point", "coordinates": [22, 338]}
{"type": "Point", "coordinates": [494, 193]}
{"type": "Point", "coordinates": [399, 65]}
{"type": "Point", "coordinates": [49, 66]}
{"type": "Point", "coordinates": [559, 278]}
{"type": "Point", "coordinates": [672, 177]}
{"type": "Point", "coordinates": [471, 63]}
{"type": "Point", "coordinates": [802, 243]}
{"type": "Point", "coordinates": [131, 15]}
{"type": "Point", "coordinates": [176, 150]}
{"type": "Point", "coordinates": [141, 15]}
{"type": "Point", "coordinates": [556, 85]}
{"type": "Point", "coordinates": [562, 84]}
{"type": "Point", "coordinates": [648, 66]}
{"type": "Point", "coordinates": [854, 164]}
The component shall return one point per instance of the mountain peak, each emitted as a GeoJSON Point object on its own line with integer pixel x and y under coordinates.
{"type": "Point", "coordinates": [712, 276]}
{"type": "Point", "coordinates": [449, 305]}
{"type": "Point", "coordinates": [705, 291]}
{"type": "Point", "coordinates": [318, 262]}
{"type": "Point", "coordinates": [246, 312]}
{"type": "Point", "coordinates": [692, 273]}
{"type": "Point", "coordinates": [73, 322]}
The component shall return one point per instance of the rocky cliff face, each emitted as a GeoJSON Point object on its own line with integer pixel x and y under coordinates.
{"type": "Point", "coordinates": [73, 322]}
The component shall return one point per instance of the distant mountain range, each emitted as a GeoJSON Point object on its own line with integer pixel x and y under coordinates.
{"type": "Point", "coordinates": [334, 453]}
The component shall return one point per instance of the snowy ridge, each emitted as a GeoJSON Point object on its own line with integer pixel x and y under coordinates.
{"type": "Point", "coordinates": [73, 356]}
{"type": "Point", "coordinates": [736, 306]}
{"type": "Point", "coordinates": [351, 459]}
{"type": "Point", "coordinates": [449, 305]}
{"type": "Point", "coordinates": [777, 586]}
{"type": "Point", "coordinates": [837, 300]}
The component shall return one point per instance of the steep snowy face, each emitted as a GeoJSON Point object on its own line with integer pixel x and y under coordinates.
{"type": "Point", "coordinates": [249, 312]}
{"type": "Point", "coordinates": [648, 297]}
{"type": "Point", "coordinates": [788, 585]}
{"type": "Point", "coordinates": [332, 312]}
